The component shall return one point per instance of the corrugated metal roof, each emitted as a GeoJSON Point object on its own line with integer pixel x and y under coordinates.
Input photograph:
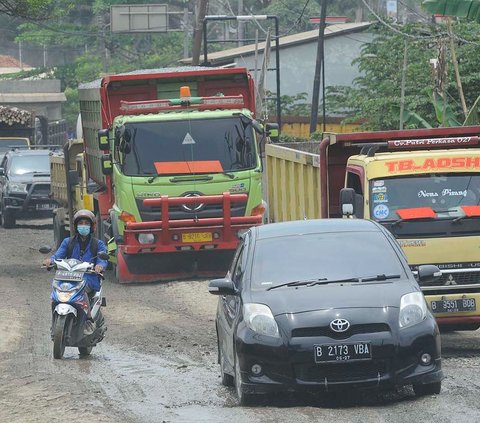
{"type": "Point", "coordinates": [286, 41]}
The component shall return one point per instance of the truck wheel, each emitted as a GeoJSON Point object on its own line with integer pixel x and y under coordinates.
{"type": "Point", "coordinates": [8, 218]}
{"type": "Point", "coordinates": [59, 232]}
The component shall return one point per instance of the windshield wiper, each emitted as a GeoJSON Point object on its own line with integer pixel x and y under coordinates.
{"type": "Point", "coordinates": [229, 174]}
{"type": "Point", "coordinates": [297, 283]}
{"type": "Point", "coordinates": [382, 277]}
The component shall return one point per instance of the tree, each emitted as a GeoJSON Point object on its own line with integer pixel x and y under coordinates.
{"type": "Point", "coordinates": [374, 99]}
{"type": "Point", "coordinates": [28, 9]}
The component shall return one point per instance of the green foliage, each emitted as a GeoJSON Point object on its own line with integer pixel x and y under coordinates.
{"type": "Point", "coordinates": [375, 96]}
{"type": "Point", "coordinates": [291, 105]}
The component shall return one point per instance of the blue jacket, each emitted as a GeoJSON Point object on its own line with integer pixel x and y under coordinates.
{"type": "Point", "coordinates": [93, 281]}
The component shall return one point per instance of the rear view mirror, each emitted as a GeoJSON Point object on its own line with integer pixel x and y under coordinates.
{"type": "Point", "coordinates": [347, 201]}
{"type": "Point", "coordinates": [45, 249]}
{"type": "Point", "coordinates": [107, 165]}
{"type": "Point", "coordinates": [103, 143]}
{"type": "Point", "coordinates": [222, 287]}
{"type": "Point", "coordinates": [428, 274]}
{"type": "Point", "coordinates": [103, 256]}
{"type": "Point", "coordinates": [272, 130]}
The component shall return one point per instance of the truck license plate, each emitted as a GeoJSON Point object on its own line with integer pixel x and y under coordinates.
{"type": "Point", "coordinates": [453, 306]}
{"type": "Point", "coordinates": [197, 237]}
{"type": "Point", "coordinates": [342, 352]}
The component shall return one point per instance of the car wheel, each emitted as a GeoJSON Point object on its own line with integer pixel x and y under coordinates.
{"type": "Point", "coordinates": [227, 379]}
{"type": "Point", "coordinates": [427, 389]}
{"type": "Point", "coordinates": [8, 218]}
{"type": "Point", "coordinates": [243, 398]}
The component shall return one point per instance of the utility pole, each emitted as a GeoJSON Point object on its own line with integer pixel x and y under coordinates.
{"type": "Point", "coordinates": [455, 66]}
{"type": "Point", "coordinates": [197, 33]}
{"type": "Point", "coordinates": [402, 89]}
{"type": "Point", "coordinates": [241, 24]}
{"type": "Point", "coordinates": [318, 67]}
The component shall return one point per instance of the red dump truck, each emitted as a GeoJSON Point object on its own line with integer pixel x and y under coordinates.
{"type": "Point", "coordinates": [175, 156]}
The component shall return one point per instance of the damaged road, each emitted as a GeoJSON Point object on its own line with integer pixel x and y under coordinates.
{"type": "Point", "coordinates": [158, 360]}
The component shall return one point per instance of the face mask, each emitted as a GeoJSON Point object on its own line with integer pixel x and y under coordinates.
{"type": "Point", "coordinates": [83, 230]}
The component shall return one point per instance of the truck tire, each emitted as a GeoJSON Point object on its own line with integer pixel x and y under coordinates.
{"type": "Point", "coordinates": [8, 218]}
{"type": "Point", "coordinates": [59, 232]}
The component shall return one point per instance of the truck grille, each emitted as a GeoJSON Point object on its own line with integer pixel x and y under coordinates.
{"type": "Point", "coordinates": [149, 213]}
{"type": "Point", "coordinates": [455, 282]}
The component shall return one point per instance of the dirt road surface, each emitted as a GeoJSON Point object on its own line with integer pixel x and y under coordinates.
{"type": "Point", "coordinates": [158, 360]}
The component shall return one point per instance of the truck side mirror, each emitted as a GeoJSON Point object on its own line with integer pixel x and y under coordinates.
{"type": "Point", "coordinates": [428, 274]}
{"type": "Point", "coordinates": [73, 178]}
{"type": "Point", "coordinates": [103, 143]}
{"type": "Point", "coordinates": [272, 131]}
{"type": "Point", "coordinates": [347, 201]}
{"type": "Point", "coordinates": [107, 165]}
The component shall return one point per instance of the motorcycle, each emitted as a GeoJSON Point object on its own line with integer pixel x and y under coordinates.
{"type": "Point", "coordinates": [70, 306]}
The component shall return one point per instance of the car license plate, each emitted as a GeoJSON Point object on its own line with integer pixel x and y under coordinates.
{"type": "Point", "coordinates": [197, 237]}
{"type": "Point", "coordinates": [65, 275]}
{"type": "Point", "coordinates": [453, 306]}
{"type": "Point", "coordinates": [342, 352]}
{"type": "Point", "coordinates": [45, 206]}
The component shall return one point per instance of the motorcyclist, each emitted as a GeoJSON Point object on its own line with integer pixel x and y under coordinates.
{"type": "Point", "coordinates": [81, 247]}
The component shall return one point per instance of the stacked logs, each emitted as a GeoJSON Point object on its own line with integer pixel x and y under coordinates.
{"type": "Point", "coordinates": [14, 116]}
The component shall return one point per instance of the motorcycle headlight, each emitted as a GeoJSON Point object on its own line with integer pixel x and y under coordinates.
{"type": "Point", "coordinates": [259, 318]}
{"type": "Point", "coordinates": [17, 187]}
{"type": "Point", "coordinates": [65, 297]}
{"type": "Point", "coordinates": [413, 309]}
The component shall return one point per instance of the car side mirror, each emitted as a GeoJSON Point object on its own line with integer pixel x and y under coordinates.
{"type": "Point", "coordinates": [222, 287]}
{"type": "Point", "coordinates": [428, 274]}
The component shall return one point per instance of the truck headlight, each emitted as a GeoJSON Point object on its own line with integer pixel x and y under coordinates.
{"type": "Point", "coordinates": [17, 187]}
{"type": "Point", "coordinates": [413, 309]}
{"type": "Point", "coordinates": [146, 238]}
{"type": "Point", "coordinates": [259, 318]}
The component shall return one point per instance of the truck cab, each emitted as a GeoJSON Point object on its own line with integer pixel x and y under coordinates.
{"type": "Point", "coordinates": [429, 199]}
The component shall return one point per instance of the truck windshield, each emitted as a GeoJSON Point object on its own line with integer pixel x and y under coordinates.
{"type": "Point", "coordinates": [32, 163]}
{"type": "Point", "coordinates": [228, 143]}
{"type": "Point", "coordinates": [6, 144]}
{"type": "Point", "coordinates": [445, 194]}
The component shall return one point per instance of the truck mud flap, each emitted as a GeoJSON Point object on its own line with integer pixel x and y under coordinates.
{"type": "Point", "coordinates": [172, 266]}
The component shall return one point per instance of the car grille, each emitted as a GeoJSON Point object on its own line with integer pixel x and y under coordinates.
{"type": "Point", "coordinates": [338, 372]}
{"type": "Point", "coordinates": [327, 331]}
{"type": "Point", "coordinates": [149, 213]}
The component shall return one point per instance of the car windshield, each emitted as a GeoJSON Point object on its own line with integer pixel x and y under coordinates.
{"type": "Point", "coordinates": [6, 144]}
{"type": "Point", "coordinates": [32, 163]}
{"type": "Point", "coordinates": [331, 256]}
{"type": "Point", "coordinates": [212, 145]}
{"type": "Point", "coordinates": [445, 194]}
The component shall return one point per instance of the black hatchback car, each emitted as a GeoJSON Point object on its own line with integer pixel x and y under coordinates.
{"type": "Point", "coordinates": [324, 304]}
{"type": "Point", "coordinates": [24, 185]}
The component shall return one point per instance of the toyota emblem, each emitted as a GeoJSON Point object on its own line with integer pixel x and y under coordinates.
{"type": "Point", "coordinates": [339, 325]}
{"type": "Point", "coordinates": [193, 207]}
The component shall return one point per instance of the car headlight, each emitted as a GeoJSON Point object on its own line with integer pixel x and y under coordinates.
{"type": "Point", "coordinates": [17, 187]}
{"type": "Point", "coordinates": [259, 318]}
{"type": "Point", "coordinates": [413, 309]}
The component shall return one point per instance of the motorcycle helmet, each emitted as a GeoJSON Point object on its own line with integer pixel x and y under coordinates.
{"type": "Point", "coordinates": [84, 214]}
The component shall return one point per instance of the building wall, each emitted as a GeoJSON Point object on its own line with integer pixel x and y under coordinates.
{"type": "Point", "coordinates": [297, 63]}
